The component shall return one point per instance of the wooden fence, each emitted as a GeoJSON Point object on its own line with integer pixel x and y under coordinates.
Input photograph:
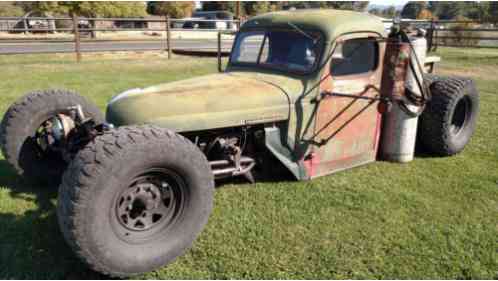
{"type": "Point", "coordinates": [454, 33]}
{"type": "Point", "coordinates": [83, 30]}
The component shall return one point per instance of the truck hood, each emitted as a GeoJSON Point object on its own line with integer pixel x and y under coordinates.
{"type": "Point", "coordinates": [207, 102]}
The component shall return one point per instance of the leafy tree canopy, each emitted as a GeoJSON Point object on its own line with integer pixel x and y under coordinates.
{"type": "Point", "coordinates": [425, 14]}
{"type": "Point", "coordinates": [174, 9]}
{"type": "Point", "coordinates": [259, 7]}
{"type": "Point", "coordinates": [412, 9]}
{"type": "Point", "coordinates": [493, 12]}
{"type": "Point", "coordinates": [87, 9]}
{"type": "Point", "coordinates": [9, 9]}
{"type": "Point", "coordinates": [389, 12]}
{"type": "Point", "coordinates": [342, 5]}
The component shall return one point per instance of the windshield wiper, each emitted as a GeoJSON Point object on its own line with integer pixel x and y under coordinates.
{"type": "Point", "coordinates": [302, 32]}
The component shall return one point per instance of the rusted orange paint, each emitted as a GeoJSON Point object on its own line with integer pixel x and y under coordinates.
{"type": "Point", "coordinates": [349, 128]}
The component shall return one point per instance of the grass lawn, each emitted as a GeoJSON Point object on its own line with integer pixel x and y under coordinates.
{"type": "Point", "coordinates": [434, 218]}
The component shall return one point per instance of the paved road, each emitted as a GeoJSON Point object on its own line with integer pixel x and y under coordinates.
{"type": "Point", "coordinates": [61, 47]}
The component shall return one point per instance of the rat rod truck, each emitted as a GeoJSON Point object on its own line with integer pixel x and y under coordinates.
{"type": "Point", "coordinates": [314, 91]}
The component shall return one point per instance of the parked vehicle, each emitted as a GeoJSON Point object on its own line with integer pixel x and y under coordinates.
{"type": "Point", "coordinates": [313, 91]}
{"type": "Point", "coordinates": [217, 20]}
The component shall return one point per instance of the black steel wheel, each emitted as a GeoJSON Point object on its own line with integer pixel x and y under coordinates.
{"type": "Point", "coordinates": [460, 116]}
{"type": "Point", "coordinates": [152, 202]}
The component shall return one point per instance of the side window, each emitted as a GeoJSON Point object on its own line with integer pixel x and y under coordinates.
{"type": "Point", "coordinates": [355, 56]}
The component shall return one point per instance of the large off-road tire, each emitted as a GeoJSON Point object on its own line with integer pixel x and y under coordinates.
{"type": "Point", "coordinates": [449, 120]}
{"type": "Point", "coordinates": [19, 127]}
{"type": "Point", "coordinates": [116, 185]}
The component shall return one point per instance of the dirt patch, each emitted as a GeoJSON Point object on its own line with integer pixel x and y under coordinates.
{"type": "Point", "coordinates": [487, 72]}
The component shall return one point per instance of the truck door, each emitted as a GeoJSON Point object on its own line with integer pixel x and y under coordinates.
{"type": "Point", "coordinates": [347, 124]}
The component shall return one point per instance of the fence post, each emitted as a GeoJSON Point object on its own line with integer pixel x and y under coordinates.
{"type": "Point", "coordinates": [220, 69]}
{"type": "Point", "coordinates": [430, 36]}
{"type": "Point", "coordinates": [168, 36]}
{"type": "Point", "coordinates": [435, 39]}
{"type": "Point", "coordinates": [77, 42]}
{"type": "Point", "coordinates": [25, 26]}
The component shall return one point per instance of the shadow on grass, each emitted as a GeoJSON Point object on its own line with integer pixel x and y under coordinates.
{"type": "Point", "coordinates": [422, 152]}
{"type": "Point", "coordinates": [273, 173]}
{"type": "Point", "coordinates": [31, 245]}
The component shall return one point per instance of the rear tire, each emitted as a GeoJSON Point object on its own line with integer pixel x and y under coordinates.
{"type": "Point", "coordinates": [133, 165]}
{"type": "Point", "coordinates": [20, 124]}
{"type": "Point", "coordinates": [449, 120]}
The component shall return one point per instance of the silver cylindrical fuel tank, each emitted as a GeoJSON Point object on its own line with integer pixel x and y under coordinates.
{"type": "Point", "coordinates": [399, 130]}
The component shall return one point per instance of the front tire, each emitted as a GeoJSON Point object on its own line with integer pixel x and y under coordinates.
{"type": "Point", "coordinates": [117, 184]}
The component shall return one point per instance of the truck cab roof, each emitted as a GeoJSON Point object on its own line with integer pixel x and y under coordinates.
{"type": "Point", "coordinates": [332, 23]}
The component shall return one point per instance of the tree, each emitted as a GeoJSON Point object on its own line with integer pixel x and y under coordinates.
{"type": "Point", "coordinates": [106, 9]}
{"type": "Point", "coordinates": [390, 12]}
{"type": "Point", "coordinates": [412, 9]}
{"type": "Point", "coordinates": [478, 11]}
{"type": "Point", "coordinates": [493, 12]}
{"type": "Point", "coordinates": [375, 11]}
{"type": "Point", "coordinates": [9, 9]}
{"type": "Point", "coordinates": [346, 5]}
{"type": "Point", "coordinates": [180, 9]}
{"type": "Point", "coordinates": [447, 10]}
{"type": "Point", "coordinates": [425, 14]}
{"type": "Point", "coordinates": [256, 7]}
{"type": "Point", "coordinates": [340, 5]}
{"type": "Point", "coordinates": [48, 7]}
{"type": "Point", "coordinates": [247, 7]}
{"type": "Point", "coordinates": [87, 9]}
{"type": "Point", "coordinates": [229, 6]}
{"type": "Point", "coordinates": [460, 33]}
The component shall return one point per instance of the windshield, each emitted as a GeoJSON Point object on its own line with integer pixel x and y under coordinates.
{"type": "Point", "coordinates": [283, 50]}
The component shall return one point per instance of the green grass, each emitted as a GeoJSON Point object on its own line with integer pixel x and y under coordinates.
{"type": "Point", "coordinates": [434, 218]}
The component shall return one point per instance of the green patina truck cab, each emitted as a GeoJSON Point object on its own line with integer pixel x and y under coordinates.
{"type": "Point", "coordinates": [248, 93]}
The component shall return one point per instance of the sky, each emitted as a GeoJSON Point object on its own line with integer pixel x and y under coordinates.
{"type": "Point", "coordinates": [388, 2]}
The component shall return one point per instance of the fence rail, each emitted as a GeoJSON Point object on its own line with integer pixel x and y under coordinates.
{"type": "Point", "coordinates": [457, 33]}
{"type": "Point", "coordinates": [80, 33]}
{"type": "Point", "coordinates": [73, 34]}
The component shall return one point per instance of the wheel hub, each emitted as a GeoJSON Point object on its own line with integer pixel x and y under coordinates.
{"type": "Point", "coordinates": [460, 116]}
{"type": "Point", "coordinates": [145, 205]}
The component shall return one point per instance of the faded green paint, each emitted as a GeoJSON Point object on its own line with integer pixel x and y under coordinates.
{"type": "Point", "coordinates": [273, 141]}
{"type": "Point", "coordinates": [249, 95]}
{"type": "Point", "coordinates": [212, 101]}
{"type": "Point", "coordinates": [332, 23]}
